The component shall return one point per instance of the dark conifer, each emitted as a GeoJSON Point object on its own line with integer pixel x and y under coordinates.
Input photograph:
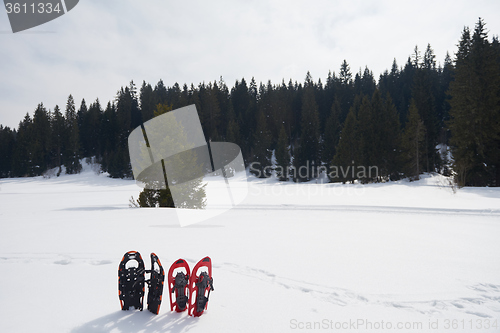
{"type": "Point", "coordinates": [413, 143]}
{"type": "Point", "coordinates": [72, 147]}
{"type": "Point", "coordinates": [348, 150]}
{"type": "Point", "coordinates": [475, 110]}
{"type": "Point", "coordinates": [58, 138]}
{"type": "Point", "coordinates": [307, 154]}
{"type": "Point", "coordinates": [261, 152]}
{"type": "Point", "coordinates": [282, 155]}
{"type": "Point", "coordinates": [7, 146]}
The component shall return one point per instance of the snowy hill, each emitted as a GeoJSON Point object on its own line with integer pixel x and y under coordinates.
{"type": "Point", "coordinates": [413, 257]}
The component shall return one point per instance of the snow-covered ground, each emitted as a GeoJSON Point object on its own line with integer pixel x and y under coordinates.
{"type": "Point", "coordinates": [403, 257]}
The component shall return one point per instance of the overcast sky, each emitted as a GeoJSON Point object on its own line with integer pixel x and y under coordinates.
{"type": "Point", "coordinates": [101, 45]}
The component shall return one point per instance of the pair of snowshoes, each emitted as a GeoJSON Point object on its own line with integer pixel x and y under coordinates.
{"type": "Point", "coordinates": [187, 291]}
{"type": "Point", "coordinates": [190, 289]}
{"type": "Point", "coordinates": [131, 281]}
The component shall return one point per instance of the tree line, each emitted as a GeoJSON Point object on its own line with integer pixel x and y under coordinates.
{"type": "Point", "coordinates": [397, 124]}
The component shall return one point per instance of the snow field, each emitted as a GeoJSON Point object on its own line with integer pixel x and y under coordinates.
{"type": "Point", "coordinates": [292, 257]}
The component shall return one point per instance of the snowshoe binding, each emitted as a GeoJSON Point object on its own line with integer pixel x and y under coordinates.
{"type": "Point", "coordinates": [178, 280]}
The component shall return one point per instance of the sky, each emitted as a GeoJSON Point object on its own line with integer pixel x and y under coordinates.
{"type": "Point", "coordinates": [100, 46]}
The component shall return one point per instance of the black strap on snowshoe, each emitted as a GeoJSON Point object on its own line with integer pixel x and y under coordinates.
{"type": "Point", "coordinates": [155, 284]}
{"type": "Point", "coordinates": [204, 281]}
{"type": "Point", "coordinates": [180, 283]}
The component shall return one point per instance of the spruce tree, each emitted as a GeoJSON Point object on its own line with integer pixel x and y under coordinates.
{"type": "Point", "coordinates": [331, 135]}
{"type": "Point", "coordinates": [390, 141]}
{"type": "Point", "coordinates": [22, 160]}
{"type": "Point", "coordinates": [210, 112]}
{"type": "Point", "coordinates": [413, 143]}
{"type": "Point", "coordinates": [367, 140]}
{"type": "Point", "coordinates": [232, 129]}
{"type": "Point", "coordinates": [475, 110]}
{"type": "Point", "coordinates": [147, 101]}
{"type": "Point", "coordinates": [423, 96]}
{"type": "Point", "coordinates": [91, 131]}
{"type": "Point", "coordinates": [111, 149]}
{"type": "Point", "coordinates": [7, 146]}
{"type": "Point", "coordinates": [345, 90]}
{"type": "Point", "coordinates": [83, 129]}
{"type": "Point", "coordinates": [71, 155]}
{"type": "Point", "coordinates": [307, 157]}
{"type": "Point", "coordinates": [41, 141]}
{"type": "Point", "coordinates": [261, 163]}
{"type": "Point", "coordinates": [348, 150]}
{"type": "Point", "coordinates": [58, 138]}
{"type": "Point", "coordinates": [282, 154]}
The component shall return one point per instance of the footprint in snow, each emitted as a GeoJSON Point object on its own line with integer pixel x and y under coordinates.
{"type": "Point", "coordinates": [62, 262]}
{"type": "Point", "coordinates": [101, 262]}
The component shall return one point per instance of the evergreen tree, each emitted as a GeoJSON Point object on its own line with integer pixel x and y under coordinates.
{"type": "Point", "coordinates": [7, 143]}
{"type": "Point", "coordinates": [82, 128]}
{"type": "Point", "coordinates": [22, 161]}
{"type": "Point", "coordinates": [345, 75]}
{"type": "Point", "coordinates": [413, 143]}
{"type": "Point", "coordinates": [367, 140]}
{"type": "Point", "coordinates": [429, 61]}
{"type": "Point", "coordinates": [332, 135]}
{"type": "Point", "coordinates": [210, 112]}
{"type": "Point", "coordinates": [307, 157]}
{"type": "Point", "coordinates": [345, 90]}
{"type": "Point", "coordinates": [72, 146]}
{"type": "Point", "coordinates": [232, 129]}
{"type": "Point", "coordinates": [225, 106]}
{"type": "Point", "coordinates": [128, 118]}
{"type": "Point", "coordinates": [41, 141]}
{"type": "Point", "coordinates": [442, 99]}
{"type": "Point", "coordinates": [406, 83]}
{"type": "Point", "coordinates": [160, 93]}
{"type": "Point", "coordinates": [244, 102]}
{"type": "Point", "coordinates": [58, 138]}
{"type": "Point", "coordinates": [261, 164]}
{"type": "Point", "coordinates": [423, 94]}
{"type": "Point", "coordinates": [348, 150]}
{"type": "Point", "coordinates": [111, 150]}
{"type": "Point", "coordinates": [415, 58]}
{"type": "Point", "coordinates": [90, 132]}
{"type": "Point", "coordinates": [364, 83]}
{"type": "Point", "coordinates": [390, 141]}
{"type": "Point", "coordinates": [282, 155]}
{"type": "Point", "coordinates": [147, 101]}
{"type": "Point", "coordinates": [475, 110]}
